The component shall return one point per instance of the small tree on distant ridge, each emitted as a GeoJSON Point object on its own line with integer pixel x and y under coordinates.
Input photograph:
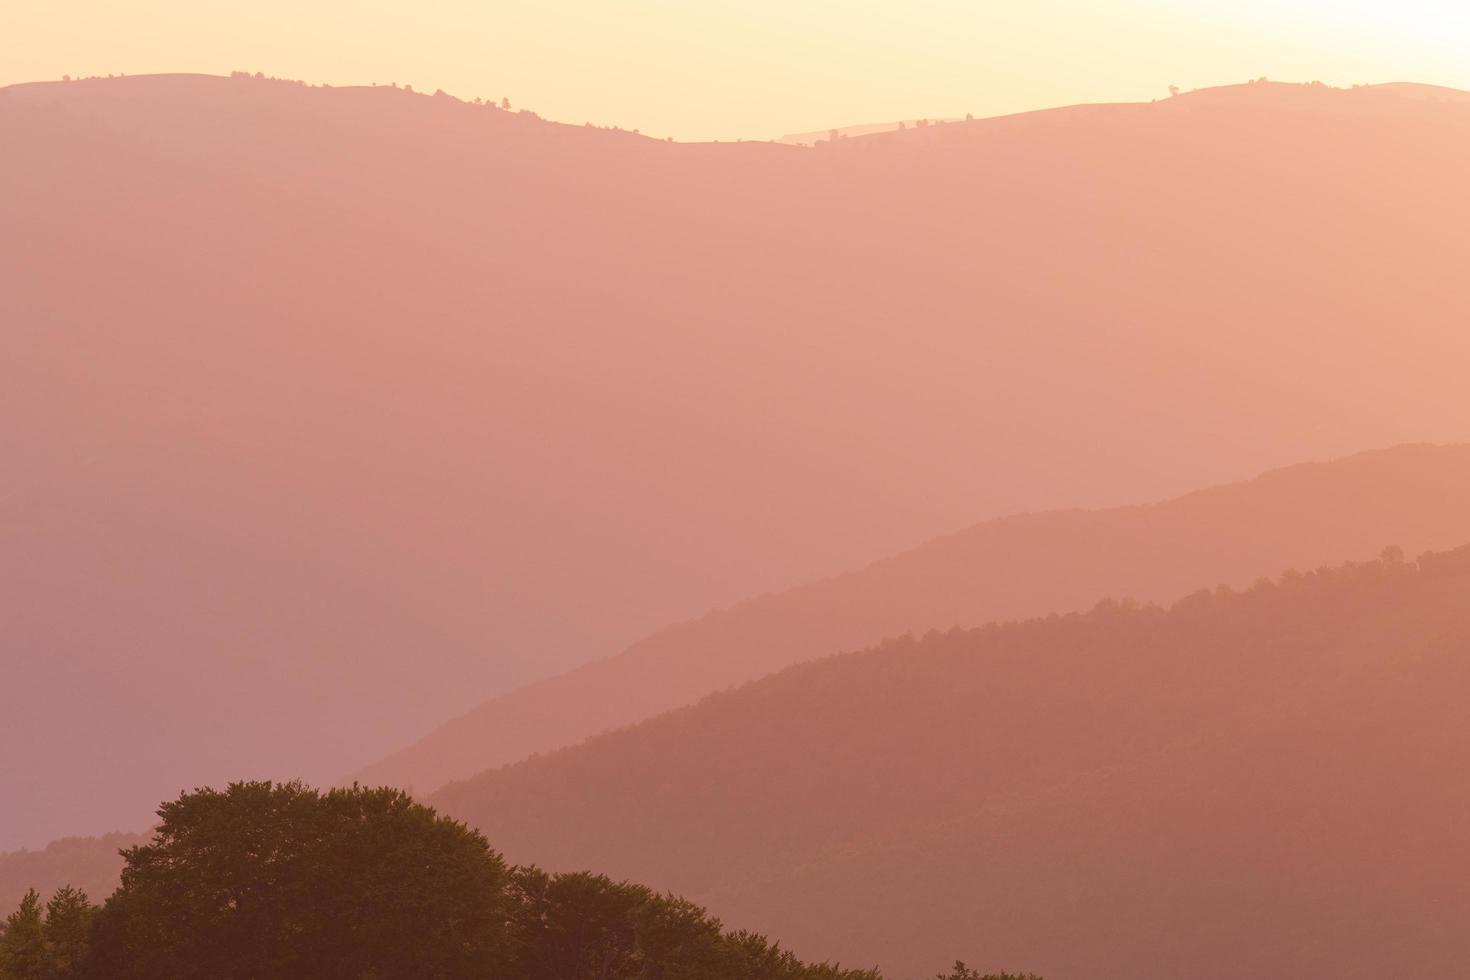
{"type": "Point", "coordinates": [962, 972]}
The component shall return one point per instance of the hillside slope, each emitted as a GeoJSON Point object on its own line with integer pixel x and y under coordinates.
{"type": "Point", "coordinates": [1269, 783]}
{"type": "Point", "coordinates": [1300, 517]}
{"type": "Point", "coordinates": [92, 864]}
{"type": "Point", "coordinates": [329, 413]}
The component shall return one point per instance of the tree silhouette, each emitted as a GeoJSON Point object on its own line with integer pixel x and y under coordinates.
{"type": "Point", "coordinates": [962, 972]}
{"type": "Point", "coordinates": [68, 932]}
{"type": "Point", "coordinates": [278, 880]}
{"type": "Point", "coordinates": [23, 942]}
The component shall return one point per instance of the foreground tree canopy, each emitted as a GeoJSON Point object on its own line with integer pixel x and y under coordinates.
{"type": "Point", "coordinates": [277, 881]}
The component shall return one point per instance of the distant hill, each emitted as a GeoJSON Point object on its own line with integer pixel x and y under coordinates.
{"type": "Point", "coordinates": [1432, 93]}
{"type": "Point", "coordinates": [330, 413]}
{"type": "Point", "coordinates": [1311, 96]}
{"type": "Point", "coordinates": [1267, 784]}
{"type": "Point", "coordinates": [1303, 516]}
{"type": "Point", "coordinates": [1030, 565]}
{"type": "Point", "coordinates": [92, 864]}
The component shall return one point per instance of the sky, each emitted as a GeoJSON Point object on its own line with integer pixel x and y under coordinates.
{"type": "Point", "coordinates": [724, 69]}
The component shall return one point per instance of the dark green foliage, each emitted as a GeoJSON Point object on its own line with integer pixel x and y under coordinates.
{"type": "Point", "coordinates": [53, 948]}
{"type": "Point", "coordinates": [275, 880]}
{"type": "Point", "coordinates": [584, 925]}
{"type": "Point", "coordinates": [576, 926]}
{"type": "Point", "coordinates": [23, 943]}
{"type": "Point", "coordinates": [68, 932]}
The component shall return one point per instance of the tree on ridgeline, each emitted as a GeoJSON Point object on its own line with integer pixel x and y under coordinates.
{"type": "Point", "coordinates": [962, 972]}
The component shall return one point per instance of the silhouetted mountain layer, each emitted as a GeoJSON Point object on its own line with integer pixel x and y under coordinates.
{"type": "Point", "coordinates": [329, 413]}
{"type": "Point", "coordinates": [1301, 517]}
{"type": "Point", "coordinates": [1269, 784]}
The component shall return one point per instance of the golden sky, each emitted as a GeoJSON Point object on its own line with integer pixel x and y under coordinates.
{"type": "Point", "coordinates": [751, 68]}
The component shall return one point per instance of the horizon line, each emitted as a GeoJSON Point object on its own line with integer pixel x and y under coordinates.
{"type": "Point", "coordinates": [796, 138]}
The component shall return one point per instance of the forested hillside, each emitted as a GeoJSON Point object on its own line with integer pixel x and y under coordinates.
{"type": "Point", "coordinates": [1018, 567]}
{"type": "Point", "coordinates": [1266, 783]}
{"type": "Point", "coordinates": [92, 864]}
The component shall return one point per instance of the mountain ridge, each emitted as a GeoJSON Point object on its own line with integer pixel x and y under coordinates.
{"type": "Point", "coordinates": [1077, 789]}
{"type": "Point", "coordinates": [997, 560]}
{"type": "Point", "coordinates": [347, 409]}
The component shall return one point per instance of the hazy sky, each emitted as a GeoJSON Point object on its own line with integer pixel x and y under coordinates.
{"type": "Point", "coordinates": [751, 68]}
